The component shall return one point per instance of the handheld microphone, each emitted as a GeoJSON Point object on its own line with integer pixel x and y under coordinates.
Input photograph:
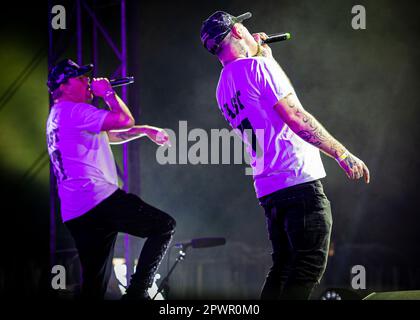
{"type": "Point", "coordinates": [202, 243]}
{"type": "Point", "coordinates": [121, 81]}
{"type": "Point", "coordinates": [277, 37]}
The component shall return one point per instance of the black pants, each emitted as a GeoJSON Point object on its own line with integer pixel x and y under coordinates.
{"type": "Point", "coordinates": [96, 231]}
{"type": "Point", "coordinates": [299, 226]}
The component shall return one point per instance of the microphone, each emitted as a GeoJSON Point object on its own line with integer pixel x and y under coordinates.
{"type": "Point", "coordinates": [277, 37]}
{"type": "Point", "coordinates": [121, 81]}
{"type": "Point", "coordinates": [202, 243]}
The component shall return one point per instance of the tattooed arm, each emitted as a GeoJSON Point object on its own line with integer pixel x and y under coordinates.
{"type": "Point", "coordinates": [309, 129]}
{"type": "Point", "coordinates": [157, 135]}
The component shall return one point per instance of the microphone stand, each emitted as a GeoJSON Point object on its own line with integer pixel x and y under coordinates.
{"type": "Point", "coordinates": [164, 284]}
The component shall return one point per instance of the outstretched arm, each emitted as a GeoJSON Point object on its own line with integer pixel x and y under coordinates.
{"type": "Point", "coordinates": [157, 135]}
{"type": "Point", "coordinates": [310, 129]}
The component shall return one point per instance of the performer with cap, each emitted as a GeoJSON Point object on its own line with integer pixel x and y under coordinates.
{"type": "Point", "coordinates": [93, 207]}
{"type": "Point", "coordinates": [283, 141]}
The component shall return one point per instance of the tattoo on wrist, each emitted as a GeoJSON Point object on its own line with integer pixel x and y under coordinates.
{"type": "Point", "coordinates": [350, 161]}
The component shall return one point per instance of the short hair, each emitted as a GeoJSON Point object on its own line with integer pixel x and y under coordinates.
{"type": "Point", "coordinates": [57, 93]}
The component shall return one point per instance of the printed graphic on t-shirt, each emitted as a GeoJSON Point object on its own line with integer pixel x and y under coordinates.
{"type": "Point", "coordinates": [247, 91]}
{"type": "Point", "coordinates": [234, 109]}
{"type": "Point", "coordinates": [81, 157]}
{"type": "Point", "coordinates": [55, 153]}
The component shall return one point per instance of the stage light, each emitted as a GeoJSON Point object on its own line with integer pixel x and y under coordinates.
{"type": "Point", "coordinates": [331, 295]}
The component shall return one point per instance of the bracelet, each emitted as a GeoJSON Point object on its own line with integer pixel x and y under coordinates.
{"type": "Point", "coordinates": [343, 156]}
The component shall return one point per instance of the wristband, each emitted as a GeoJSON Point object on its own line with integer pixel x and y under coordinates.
{"type": "Point", "coordinates": [343, 156]}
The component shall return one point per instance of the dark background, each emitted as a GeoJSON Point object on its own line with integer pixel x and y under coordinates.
{"type": "Point", "coordinates": [361, 84]}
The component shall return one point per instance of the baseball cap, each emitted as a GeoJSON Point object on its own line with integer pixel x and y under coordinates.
{"type": "Point", "coordinates": [217, 27]}
{"type": "Point", "coordinates": [65, 70]}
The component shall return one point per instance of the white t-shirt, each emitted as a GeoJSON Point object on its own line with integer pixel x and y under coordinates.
{"type": "Point", "coordinates": [247, 91]}
{"type": "Point", "coordinates": [81, 156]}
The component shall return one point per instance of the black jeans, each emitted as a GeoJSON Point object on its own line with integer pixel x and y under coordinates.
{"type": "Point", "coordinates": [96, 231]}
{"type": "Point", "coordinates": [299, 225]}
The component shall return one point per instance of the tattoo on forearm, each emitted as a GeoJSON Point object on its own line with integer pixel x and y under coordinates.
{"type": "Point", "coordinates": [335, 148]}
{"type": "Point", "coordinates": [309, 137]}
{"type": "Point", "coordinates": [290, 102]}
{"type": "Point", "coordinates": [125, 135]}
{"type": "Point", "coordinates": [314, 133]}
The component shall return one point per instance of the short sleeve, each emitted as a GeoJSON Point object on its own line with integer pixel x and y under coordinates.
{"type": "Point", "coordinates": [87, 117]}
{"type": "Point", "coordinates": [273, 83]}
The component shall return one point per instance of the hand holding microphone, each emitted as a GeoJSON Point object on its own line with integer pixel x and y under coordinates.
{"type": "Point", "coordinates": [277, 37]}
{"type": "Point", "coordinates": [263, 39]}
{"type": "Point", "coordinates": [101, 86]}
{"type": "Point", "coordinates": [263, 49]}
